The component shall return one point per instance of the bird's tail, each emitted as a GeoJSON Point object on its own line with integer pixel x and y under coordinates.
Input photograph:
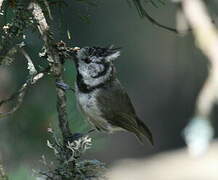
{"type": "Point", "coordinates": [135, 125]}
{"type": "Point", "coordinates": [143, 131]}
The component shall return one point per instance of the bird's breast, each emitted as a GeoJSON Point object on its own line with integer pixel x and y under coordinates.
{"type": "Point", "coordinates": [87, 103]}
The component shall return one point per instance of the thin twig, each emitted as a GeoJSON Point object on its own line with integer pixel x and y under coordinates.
{"type": "Point", "coordinates": [19, 95]}
{"type": "Point", "coordinates": [56, 68]}
{"type": "Point", "coordinates": [143, 13]}
{"type": "Point", "coordinates": [155, 22]}
{"type": "Point", "coordinates": [30, 65]}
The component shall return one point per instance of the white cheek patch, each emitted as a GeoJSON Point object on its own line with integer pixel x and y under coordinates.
{"type": "Point", "coordinates": [88, 71]}
{"type": "Point", "coordinates": [88, 80]}
{"type": "Point", "coordinates": [95, 69]}
{"type": "Point", "coordinates": [83, 69]}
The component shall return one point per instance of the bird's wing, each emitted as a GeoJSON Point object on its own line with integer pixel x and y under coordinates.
{"type": "Point", "coordinates": [116, 107]}
{"type": "Point", "coordinates": [113, 99]}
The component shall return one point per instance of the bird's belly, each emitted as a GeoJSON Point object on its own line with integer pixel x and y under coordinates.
{"type": "Point", "coordinates": [88, 106]}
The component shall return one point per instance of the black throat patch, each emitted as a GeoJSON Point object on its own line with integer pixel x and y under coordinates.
{"type": "Point", "coordinates": [85, 88]}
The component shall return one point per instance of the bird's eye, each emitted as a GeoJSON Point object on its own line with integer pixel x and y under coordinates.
{"type": "Point", "coordinates": [87, 60]}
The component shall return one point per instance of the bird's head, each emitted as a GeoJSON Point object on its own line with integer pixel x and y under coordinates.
{"type": "Point", "coordinates": [95, 64]}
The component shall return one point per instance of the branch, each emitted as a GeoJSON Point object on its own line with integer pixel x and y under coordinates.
{"type": "Point", "coordinates": [56, 67]}
{"type": "Point", "coordinates": [12, 32]}
{"type": "Point", "coordinates": [199, 132]}
{"type": "Point", "coordinates": [21, 93]}
{"type": "Point", "coordinates": [1, 2]}
{"type": "Point", "coordinates": [30, 65]}
{"type": "Point", "coordinates": [143, 13]}
{"type": "Point", "coordinates": [7, 54]}
{"type": "Point", "coordinates": [207, 40]}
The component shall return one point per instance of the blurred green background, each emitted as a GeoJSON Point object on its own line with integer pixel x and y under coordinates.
{"type": "Point", "coordinates": [161, 71]}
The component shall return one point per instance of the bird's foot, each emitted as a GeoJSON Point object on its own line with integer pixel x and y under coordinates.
{"type": "Point", "coordinates": [64, 86]}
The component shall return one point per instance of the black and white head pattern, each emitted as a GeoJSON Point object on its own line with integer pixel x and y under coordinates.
{"type": "Point", "coordinates": [95, 65]}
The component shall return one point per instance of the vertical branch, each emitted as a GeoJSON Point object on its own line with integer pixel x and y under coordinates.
{"type": "Point", "coordinates": [56, 67]}
{"type": "Point", "coordinates": [62, 111]}
{"type": "Point", "coordinates": [199, 132]}
{"type": "Point", "coordinates": [1, 2]}
{"type": "Point", "coordinates": [207, 40]}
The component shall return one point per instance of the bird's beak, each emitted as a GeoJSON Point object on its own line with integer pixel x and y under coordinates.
{"type": "Point", "coordinates": [75, 49]}
{"type": "Point", "coordinates": [74, 53]}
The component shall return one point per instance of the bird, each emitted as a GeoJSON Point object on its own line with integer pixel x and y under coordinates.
{"type": "Point", "coordinates": [100, 96]}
